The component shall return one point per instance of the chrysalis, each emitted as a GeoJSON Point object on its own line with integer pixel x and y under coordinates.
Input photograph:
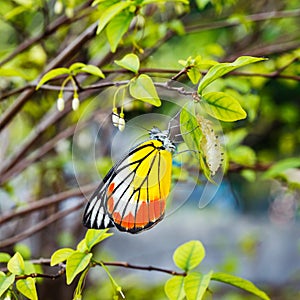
{"type": "Point", "coordinates": [211, 146]}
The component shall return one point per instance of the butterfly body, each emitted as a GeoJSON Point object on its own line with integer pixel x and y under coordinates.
{"type": "Point", "coordinates": [132, 196]}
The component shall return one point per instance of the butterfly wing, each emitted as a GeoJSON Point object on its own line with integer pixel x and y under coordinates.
{"type": "Point", "coordinates": [95, 214]}
{"type": "Point", "coordinates": [133, 194]}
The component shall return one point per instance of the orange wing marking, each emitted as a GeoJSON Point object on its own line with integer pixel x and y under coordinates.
{"type": "Point", "coordinates": [110, 201]}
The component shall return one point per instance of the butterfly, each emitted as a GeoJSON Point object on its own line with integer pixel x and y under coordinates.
{"type": "Point", "coordinates": [132, 196]}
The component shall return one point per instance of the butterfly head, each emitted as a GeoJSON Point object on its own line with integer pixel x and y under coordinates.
{"type": "Point", "coordinates": [162, 136]}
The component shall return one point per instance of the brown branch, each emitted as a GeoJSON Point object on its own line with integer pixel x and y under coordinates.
{"type": "Point", "coordinates": [50, 118]}
{"type": "Point", "coordinates": [143, 268]}
{"type": "Point", "coordinates": [13, 92]}
{"type": "Point", "coordinates": [103, 84]}
{"type": "Point", "coordinates": [47, 201]}
{"type": "Point", "coordinates": [39, 226]}
{"type": "Point", "coordinates": [5, 95]}
{"type": "Point", "coordinates": [276, 74]}
{"type": "Point", "coordinates": [44, 149]}
{"type": "Point", "coordinates": [95, 263]}
{"type": "Point", "coordinates": [280, 70]}
{"type": "Point", "coordinates": [251, 18]}
{"type": "Point", "coordinates": [61, 272]}
{"type": "Point", "coordinates": [272, 75]}
{"type": "Point", "coordinates": [265, 50]}
{"type": "Point", "coordinates": [7, 116]}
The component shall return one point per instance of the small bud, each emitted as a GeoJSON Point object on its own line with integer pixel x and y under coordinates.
{"type": "Point", "coordinates": [60, 104]}
{"type": "Point", "coordinates": [115, 117]}
{"type": "Point", "coordinates": [58, 7]}
{"type": "Point", "coordinates": [121, 125]}
{"type": "Point", "coordinates": [75, 103]}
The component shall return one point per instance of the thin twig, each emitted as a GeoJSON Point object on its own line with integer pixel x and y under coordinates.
{"type": "Point", "coordinates": [275, 75]}
{"type": "Point", "coordinates": [61, 272]}
{"type": "Point", "coordinates": [46, 261]}
{"type": "Point", "coordinates": [143, 268]}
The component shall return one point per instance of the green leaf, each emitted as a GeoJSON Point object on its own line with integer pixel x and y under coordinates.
{"type": "Point", "coordinates": [6, 282]}
{"type": "Point", "coordinates": [15, 12]}
{"type": "Point", "coordinates": [243, 155]}
{"type": "Point", "coordinates": [93, 70]}
{"type": "Point", "coordinates": [14, 72]}
{"type": "Point", "coordinates": [249, 175]}
{"type": "Point", "coordinates": [29, 267]}
{"type": "Point", "coordinates": [196, 284]}
{"type": "Point", "coordinates": [4, 257]}
{"type": "Point", "coordinates": [235, 137]}
{"type": "Point", "coordinates": [52, 74]}
{"type": "Point", "coordinates": [240, 283]}
{"type": "Point", "coordinates": [16, 264]}
{"type": "Point", "coordinates": [110, 13]}
{"type": "Point", "coordinates": [281, 166]}
{"type": "Point", "coordinates": [222, 69]}
{"type": "Point", "coordinates": [202, 3]}
{"type": "Point", "coordinates": [194, 75]}
{"type": "Point", "coordinates": [27, 288]}
{"type": "Point", "coordinates": [60, 255]}
{"type": "Point", "coordinates": [174, 288]}
{"type": "Point", "coordinates": [76, 67]}
{"type": "Point", "coordinates": [76, 263]}
{"type": "Point", "coordinates": [199, 136]}
{"type": "Point", "coordinates": [145, 2]}
{"type": "Point", "coordinates": [143, 89]}
{"type": "Point", "coordinates": [98, 2]}
{"type": "Point", "coordinates": [95, 236]}
{"type": "Point", "coordinates": [177, 26]}
{"type": "Point", "coordinates": [189, 127]}
{"type": "Point", "coordinates": [23, 249]}
{"type": "Point", "coordinates": [224, 107]}
{"type": "Point", "coordinates": [130, 62]}
{"type": "Point", "coordinates": [81, 246]}
{"type": "Point", "coordinates": [189, 255]}
{"type": "Point", "coordinates": [117, 28]}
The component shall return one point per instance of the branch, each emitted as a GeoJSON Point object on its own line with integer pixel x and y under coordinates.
{"type": "Point", "coordinates": [39, 226]}
{"type": "Point", "coordinates": [265, 50]}
{"type": "Point", "coordinates": [250, 18]}
{"type": "Point", "coordinates": [19, 154]}
{"type": "Point", "coordinates": [272, 75]}
{"type": "Point", "coordinates": [46, 261]}
{"type": "Point", "coordinates": [143, 268]}
{"type": "Point", "coordinates": [18, 167]}
{"type": "Point", "coordinates": [47, 201]}
{"type": "Point", "coordinates": [61, 272]}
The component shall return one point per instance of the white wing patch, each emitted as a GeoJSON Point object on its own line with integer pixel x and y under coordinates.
{"type": "Point", "coordinates": [123, 193]}
{"type": "Point", "coordinates": [95, 215]}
